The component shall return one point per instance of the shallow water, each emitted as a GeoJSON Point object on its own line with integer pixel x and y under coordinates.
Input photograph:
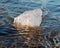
{"type": "Point", "coordinates": [11, 8]}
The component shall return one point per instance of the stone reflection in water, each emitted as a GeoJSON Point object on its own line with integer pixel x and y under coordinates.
{"type": "Point", "coordinates": [31, 35]}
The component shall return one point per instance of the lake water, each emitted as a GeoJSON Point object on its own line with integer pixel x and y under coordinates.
{"type": "Point", "coordinates": [11, 8]}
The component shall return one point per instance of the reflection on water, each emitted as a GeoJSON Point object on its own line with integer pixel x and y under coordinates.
{"type": "Point", "coordinates": [50, 24]}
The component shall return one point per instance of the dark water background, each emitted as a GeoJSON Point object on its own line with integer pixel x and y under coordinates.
{"type": "Point", "coordinates": [12, 8]}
